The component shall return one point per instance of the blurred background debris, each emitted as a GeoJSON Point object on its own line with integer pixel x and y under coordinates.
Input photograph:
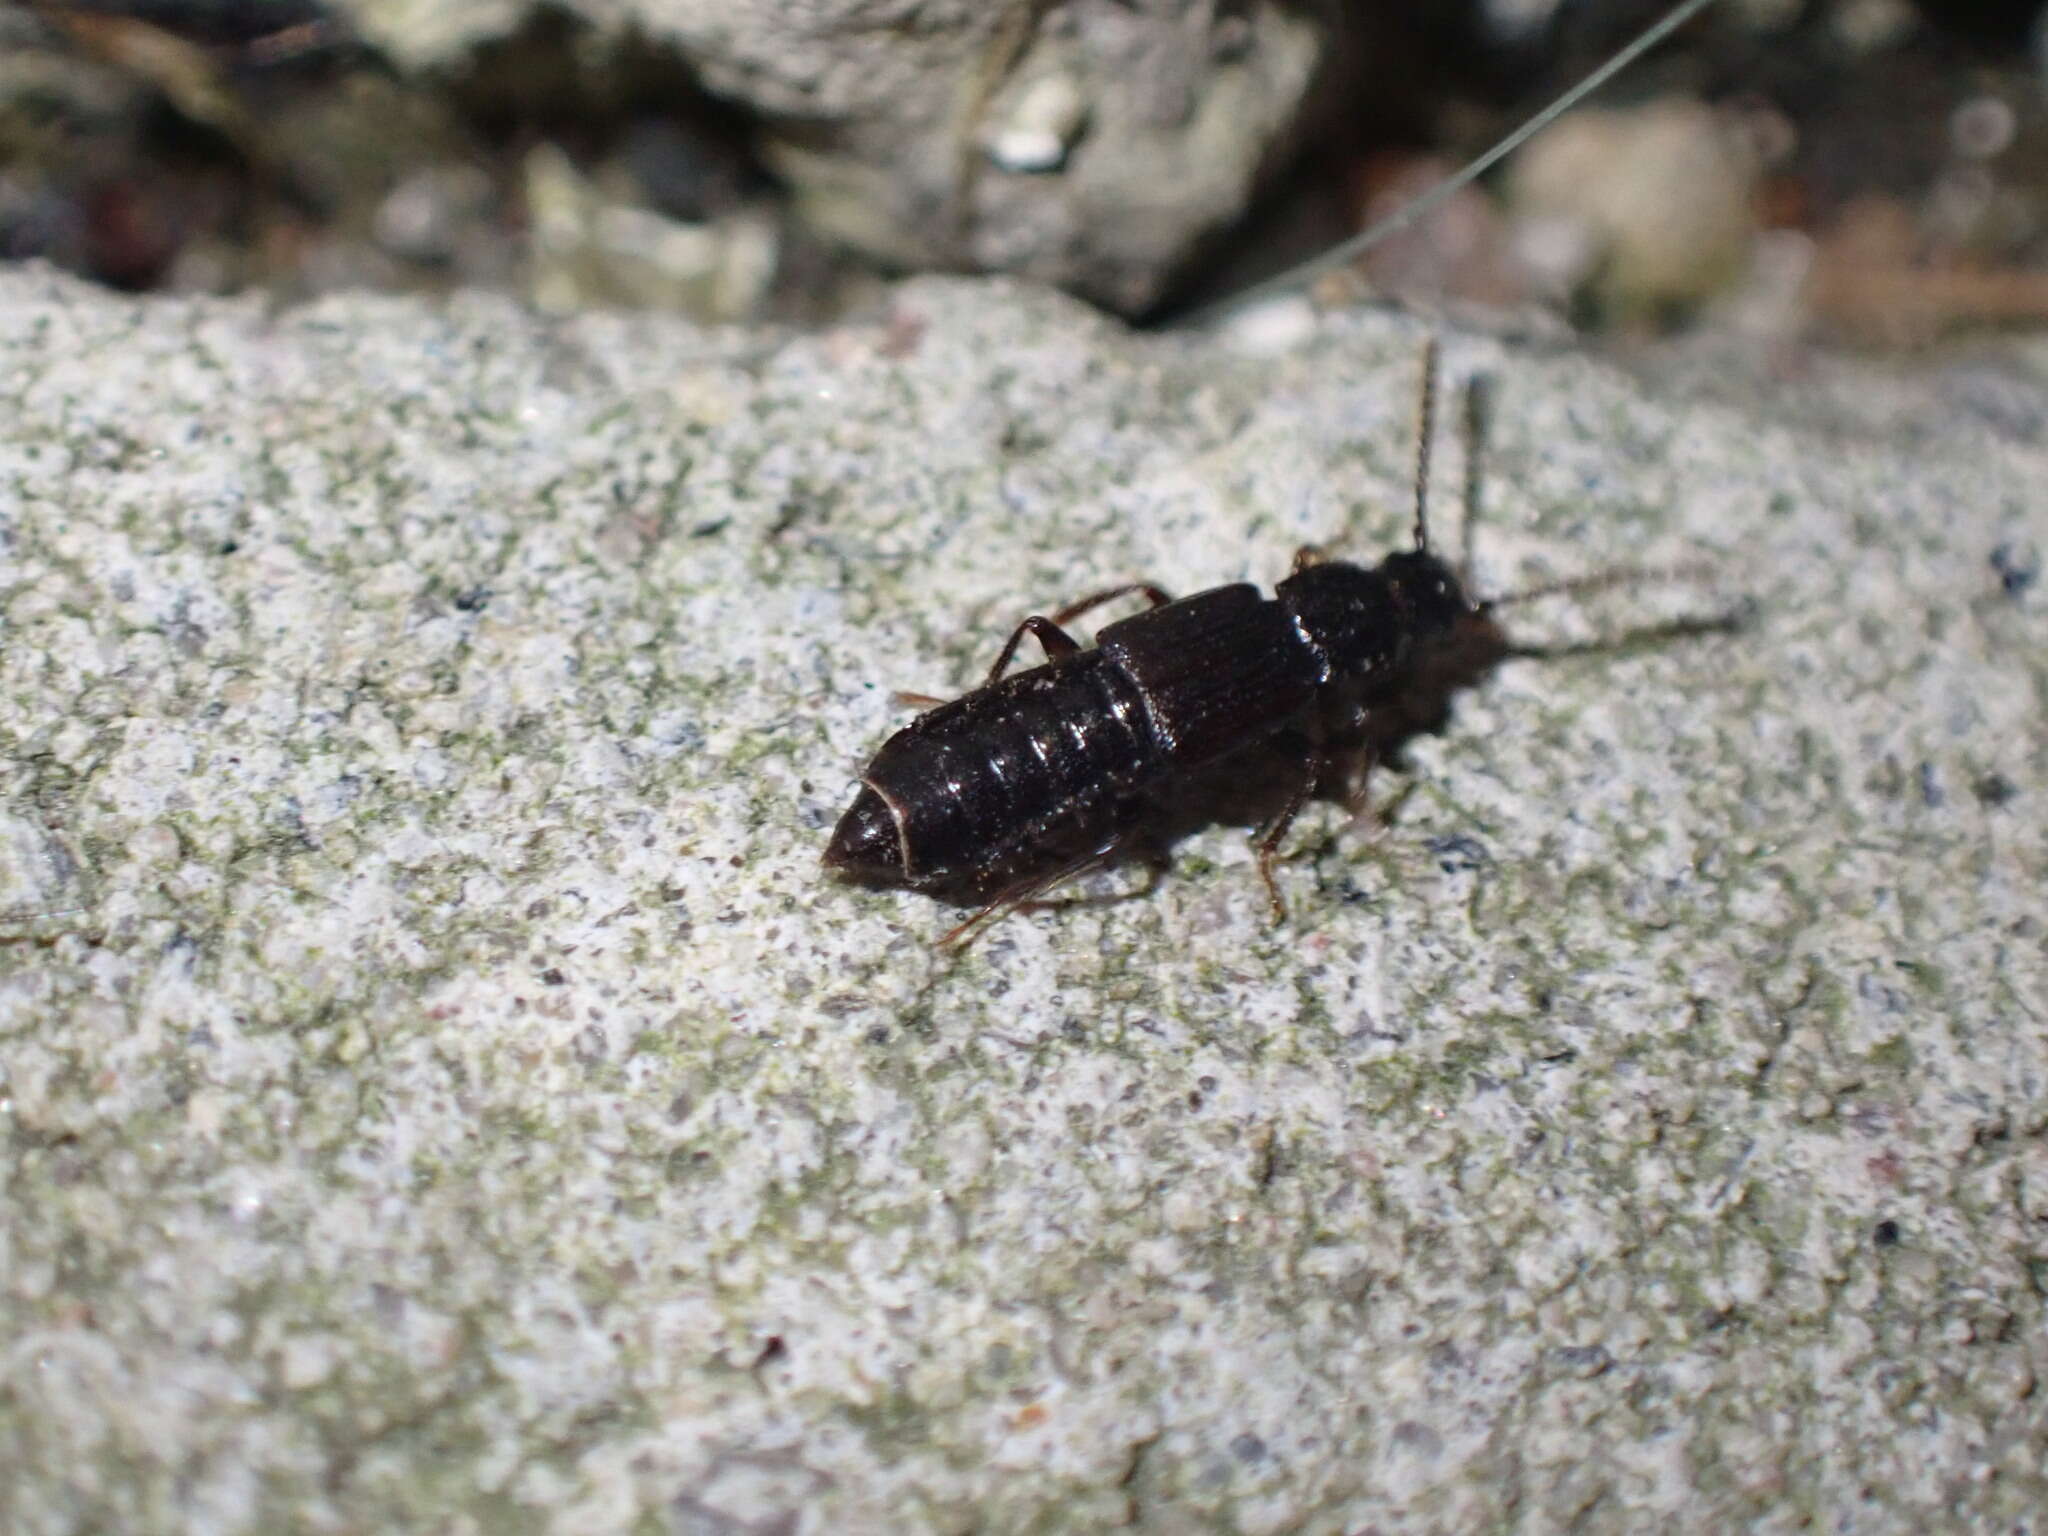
{"type": "Point", "coordinates": [1866, 170]}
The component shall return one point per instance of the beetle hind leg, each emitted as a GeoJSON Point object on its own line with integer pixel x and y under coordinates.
{"type": "Point", "coordinates": [1055, 641]}
{"type": "Point", "coordinates": [1155, 596]}
{"type": "Point", "coordinates": [1025, 892]}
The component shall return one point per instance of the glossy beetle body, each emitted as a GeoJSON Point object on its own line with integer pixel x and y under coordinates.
{"type": "Point", "coordinates": [1003, 792]}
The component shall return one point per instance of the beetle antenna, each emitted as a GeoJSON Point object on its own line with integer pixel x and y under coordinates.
{"type": "Point", "coordinates": [1341, 254]}
{"type": "Point", "coordinates": [1600, 581]}
{"type": "Point", "coordinates": [1477, 401]}
{"type": "Point", "coordinates": [1425, 429]}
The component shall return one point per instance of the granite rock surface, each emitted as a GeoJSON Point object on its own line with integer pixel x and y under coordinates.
{"type": "Point", "coordinates": [440, 1092]}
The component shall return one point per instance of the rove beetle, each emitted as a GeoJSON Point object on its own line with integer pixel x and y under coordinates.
{"type": "Point", "coordinates": [1032, 778]}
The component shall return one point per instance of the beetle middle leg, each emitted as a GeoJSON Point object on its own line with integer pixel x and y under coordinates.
{"type": "Point", "coordinates": [1354, 765]}
{"type": "Point", "coordinates": [1056, 642]}
{"type": "Point", "coordinates": [1315, 764]}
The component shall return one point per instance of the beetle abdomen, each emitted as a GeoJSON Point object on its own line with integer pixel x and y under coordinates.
{"type": "Point", "coordinates": [1052, 763]}
{"type": "Point", "coordinates": [985, 781]}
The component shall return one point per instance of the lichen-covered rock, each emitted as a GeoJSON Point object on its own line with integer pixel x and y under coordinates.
{"type": "Point", "coordinates": [1092, 144]}
{"type": "Point", "coordinates": [440, 1092]}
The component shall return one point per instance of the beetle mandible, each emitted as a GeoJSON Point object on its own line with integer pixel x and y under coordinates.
{"type": "Point", "coordinates": [1007, 791]}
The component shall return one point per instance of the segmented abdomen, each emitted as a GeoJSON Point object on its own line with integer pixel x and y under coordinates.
{"type": "Point", "coordinates": [1032, 763]}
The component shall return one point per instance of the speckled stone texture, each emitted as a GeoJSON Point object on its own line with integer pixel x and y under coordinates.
{"type": "Point", "coordinates": [441, 1094]}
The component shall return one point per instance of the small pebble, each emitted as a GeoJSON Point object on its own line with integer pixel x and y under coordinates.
{"type": "Point", "coordinates": [1042, 128]}
{"type": "Point", "coordinates": [1271, 326]}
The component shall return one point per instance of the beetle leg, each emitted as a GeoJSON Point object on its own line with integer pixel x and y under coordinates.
{"type": "Point", "coordinates": [1156, 867]}
{"type": "Point", "coordinates": [1314, 765]}
{"type": "Point", "coordinates": [1356, 768]}
{"type": "Point", "coordinates": [1056, 642]}
{"type": "Point", "coordinates": [916, 700]}
{"type": "Point", "coordinates": [1153, 595]}
{"type": "Point", "coordinates": [1053, 640]}
{"type": "Point", "coordinates": [960, 935]}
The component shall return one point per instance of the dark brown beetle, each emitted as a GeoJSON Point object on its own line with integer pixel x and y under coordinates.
{"type": "Point", "coordinates": [1003, 793]}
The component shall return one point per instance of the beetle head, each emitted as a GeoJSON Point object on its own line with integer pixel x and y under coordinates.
{"type": "Point", "coordinates": [1365, 624]}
